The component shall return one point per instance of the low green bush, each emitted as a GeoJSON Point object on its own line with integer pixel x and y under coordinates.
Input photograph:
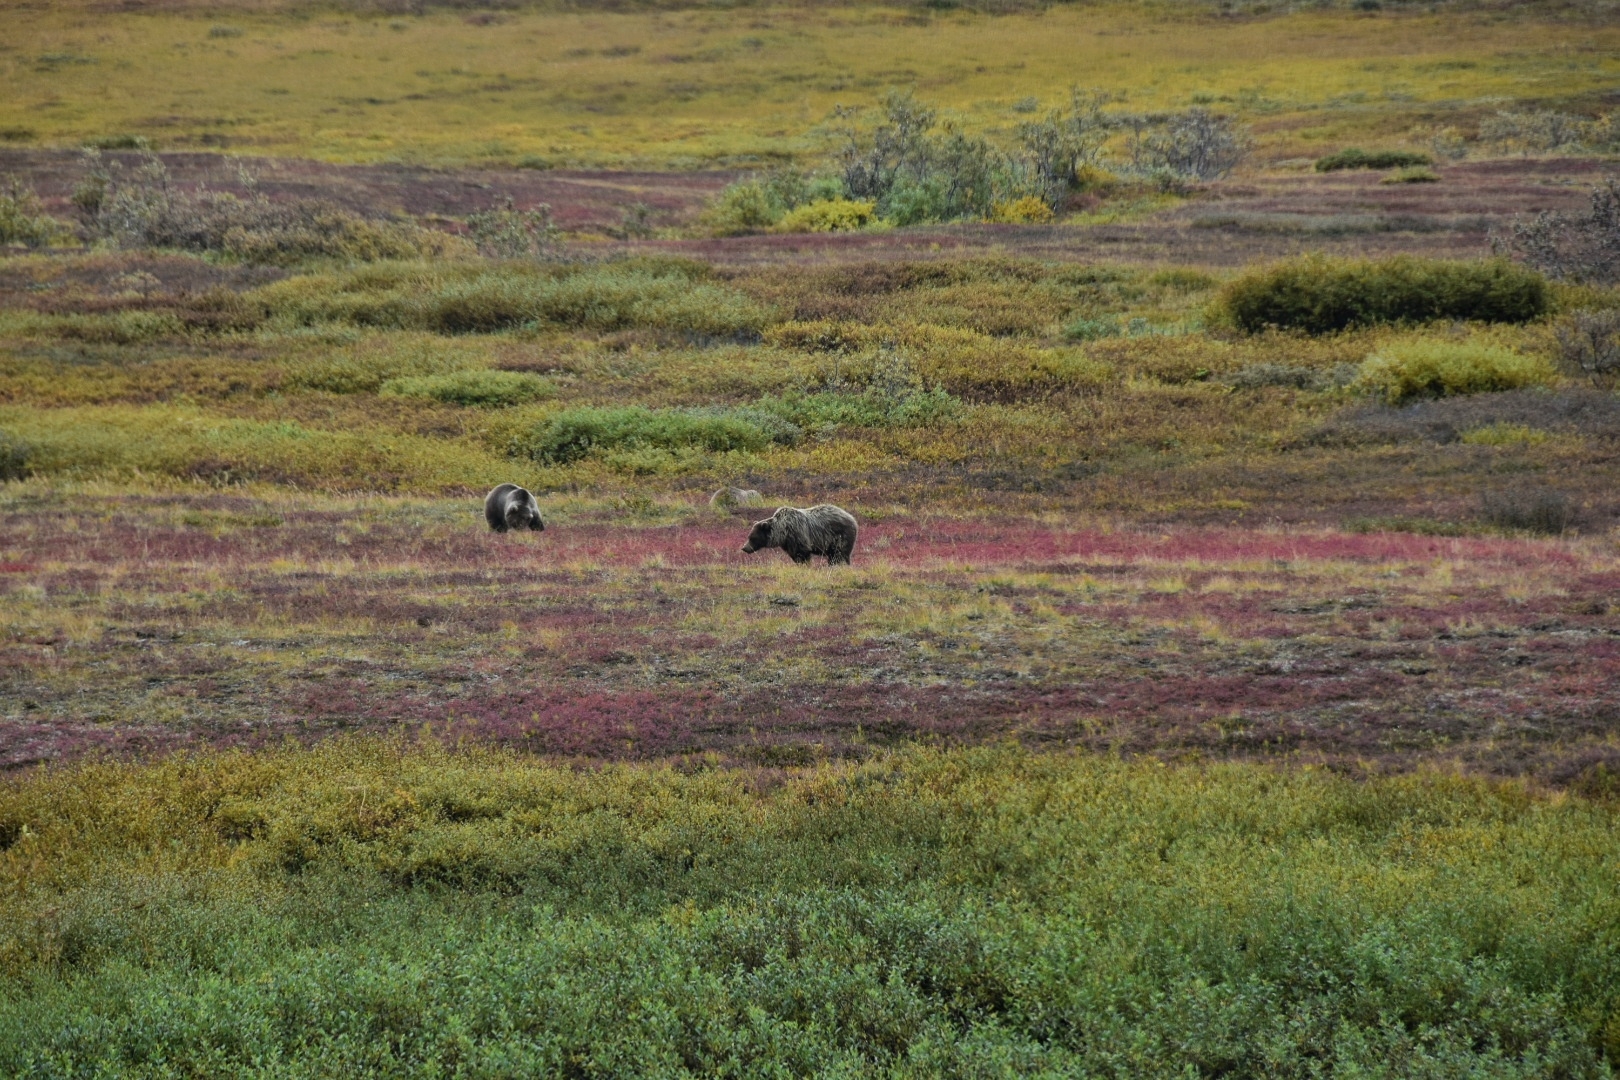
{"type": "Point", "coordinates": [1355, 158]}
{"type": "Point", "coordinates": [373, 909]}
{"type": "Point", "coordinates": [461, 299]}
{"type": "Point", "coordinates": [23, 219]}
{"type": "Point", "coordinates": [828, 215]}
{"type": "Point", "coordinates": [1417, 369]}
{"type": "Point", "coordinates": [1320, 295]}
{"type": "Point", "coordinates": [487, 389]}
{"type": "Point", "coordinates": [579, 433]}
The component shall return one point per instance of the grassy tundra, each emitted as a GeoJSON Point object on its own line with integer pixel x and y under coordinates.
{"type": "Point", "coordinates": [683, 88]}
{"type": "Point", "coordinates": [1223, 685]}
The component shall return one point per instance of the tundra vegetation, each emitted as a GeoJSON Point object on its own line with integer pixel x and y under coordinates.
{"type": "Point", "coordinates": [1223, 683]}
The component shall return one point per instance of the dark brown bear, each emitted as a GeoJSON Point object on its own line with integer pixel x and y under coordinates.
{"type": "Point", "coordinates": [803, 534]}
{"type": "Point", "coordinates": [512, 507]}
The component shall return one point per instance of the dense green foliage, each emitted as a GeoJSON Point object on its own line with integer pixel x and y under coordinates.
{"type": "Point", "coordinates": [23, 219]}
{"type": "Point", "coordinates": [1322, 296]}
{"type": "Point", "coordinates": [365, 910]}
{"type": "Point", "coordinates": [1355, 158]}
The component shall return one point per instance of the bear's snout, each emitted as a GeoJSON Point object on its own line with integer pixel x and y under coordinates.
{"type": "Point", "coordinates": [748, 549]}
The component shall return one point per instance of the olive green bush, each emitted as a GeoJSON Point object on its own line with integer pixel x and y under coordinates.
{"type": "Point", "coordinates": [1355, 158]}
{"type": "Point", "coordinates": [1320, 295]}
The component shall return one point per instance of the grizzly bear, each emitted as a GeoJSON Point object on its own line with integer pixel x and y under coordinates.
{"type": "Point", "coordinates": [818, 530]}
{"type": "Point", "coordinates": [512, 507]}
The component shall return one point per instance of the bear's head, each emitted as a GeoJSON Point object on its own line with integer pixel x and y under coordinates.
{"type": "Point", "coordinates": [521, 513]}
{"type": "Point", "coordinates": [759, 537]}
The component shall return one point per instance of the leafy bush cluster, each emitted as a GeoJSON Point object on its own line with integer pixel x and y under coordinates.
{"type": "Point", "coordinates": [1438, 368]}
{"type": "Point", "coordinates": [1355, 158]}
{"type": "Point", "coordinates": [828, 215]}
{"type": "Point", "coordinates": [504, 232]}
{"type": "Point", "coordinates": [761, 202]}
{"type": "Point", "coordinates": [1319, 295]}
{"type": "Point", "coordinates": [1550, 132]}
{"type": "Point", "coordinates": [575, 434]}
{"type": "Point", "coordinates": [483, 389]}
{"type": "Point", "coordinates": [368, 909]}
{"type": "Point", "coordinates": [911, 168]}
{"type": "Point", "coordinates": [1573, 247]}
{"type": "Point", "coordinates": [144, 209]}
{"type": "Point", "coordinates": [23, 219]}
{"type": "Point", "coordinates": [1589, 342]}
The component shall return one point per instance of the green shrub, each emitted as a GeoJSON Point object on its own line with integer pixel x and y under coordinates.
{"type": "Point", "coordinates": [1438, 368]}
{"type": "Point", "coordinates": [23, 219]}
{"type": "Point", "coordinates": [487, 389]}
{"type": "Point", "coordinates": [589, 431]}
{"type": "Point", "coordinates": [1027, 210]}
{"type": "Point", "coordinates": [829, 215]}
{"type": "Point", "coordinates": [457, 299]}
{"type": "Point", "coordinates": [757, 203]}
{"type": "Point", "coordinates": [143, 209]}
{"type": "Point", "coordinates": [1320, 295]}
{"type": "Point", "coordinates": [368, 908]}
{"type": "Point", "coordinates": [1354, 158]}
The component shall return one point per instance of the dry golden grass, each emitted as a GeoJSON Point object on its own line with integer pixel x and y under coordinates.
{"type": "Point", "coordinates": [716, 86]}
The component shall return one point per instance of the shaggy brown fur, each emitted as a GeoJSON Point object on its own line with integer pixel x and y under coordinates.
{"type": "Point", "coordinates": [817, 530]}
{"type": "Point", "coordinates": [512, 507]}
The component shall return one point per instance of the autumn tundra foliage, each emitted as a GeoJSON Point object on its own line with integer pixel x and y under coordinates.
{"type": "Point", "coordinates": [1222, 684]}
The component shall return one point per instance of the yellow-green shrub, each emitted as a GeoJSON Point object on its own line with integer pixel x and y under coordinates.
{"type": "Point", "coordinates": [1028, 210]}
{"type": "Point", "coordinates": [829, 215]}
{"type": "Point", "coordinates": [1401, 371]}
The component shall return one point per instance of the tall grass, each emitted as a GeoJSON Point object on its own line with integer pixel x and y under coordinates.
{"type": "Point", "coordinates": [374, 909]}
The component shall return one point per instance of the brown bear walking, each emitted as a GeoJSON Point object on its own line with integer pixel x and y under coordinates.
{"type": "Point", "coordinates": [818, 530]}
{"type": "Point", "coordinates": [512, 507]}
